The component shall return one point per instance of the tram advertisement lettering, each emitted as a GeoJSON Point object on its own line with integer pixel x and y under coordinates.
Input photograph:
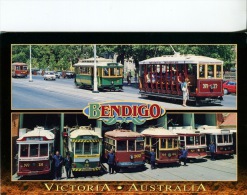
{"type": "Point", "coordinates": [123, 112]}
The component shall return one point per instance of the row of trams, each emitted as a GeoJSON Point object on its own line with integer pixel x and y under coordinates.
{"type": "Point", "coordinates": [89, 149]}
{"type": "Point", "coordinates": [157, 77]}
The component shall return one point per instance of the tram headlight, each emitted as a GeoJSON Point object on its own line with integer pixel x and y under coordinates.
{"type": "Point", "coordinates": [112, 82]}
{"type": "Point", "coordinates": [198, 150]}
{"type": "Point", "coordinates": [169, 155]}
{"type": "Point", "coordinates": [131, 157]}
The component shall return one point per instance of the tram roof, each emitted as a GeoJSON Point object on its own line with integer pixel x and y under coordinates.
{"type": "Point", "coordinates": [19, 64]}
{"type": "Point", "coordinates": [99, 62]}
{"type": "Point", "coordinates": [38, 132]}
{"type": "Point", "coordinates": [181, 59]}
{"type": "Point", "coordinates": [185, 131]}
{"type": "Point", "coordinates": [123, 133]}
{"type": "Point", "coordinates": [81, 132]}
{"type": "Point", "coordinates": [215, 131]}
{"type": "Point", "coordinates": [158, 132]}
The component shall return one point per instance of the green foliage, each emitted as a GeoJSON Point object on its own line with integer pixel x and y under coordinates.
{"type": "Point", "coordinates": [60, 57]}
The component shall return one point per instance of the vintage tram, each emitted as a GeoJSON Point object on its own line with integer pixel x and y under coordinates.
{"type": "Point", "coordinates": [192, 140]}
{"type": "Point", "coordinates": [164, 143]}
{"type": "Point", "coordinates": [85, 146]}
{"type": "Point", "coordinates": [19, 70]}
{"type": "Point", "coordinates": [34, 148]}
{"type": "Point", "coordinates": [109, 74]}
{"type": "Point", "coordinates": [222, 139]}
{"type": "Point", "coordinates": [128, 147]}
{"type": "Point", "coordinates": [162, 77]}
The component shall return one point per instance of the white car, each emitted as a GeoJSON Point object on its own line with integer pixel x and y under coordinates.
{"type": "Point", "coordinates": [49, 75]}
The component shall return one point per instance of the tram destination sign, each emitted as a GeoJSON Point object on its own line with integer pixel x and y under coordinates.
{"type": "Point", "coordinates": [123, 112]}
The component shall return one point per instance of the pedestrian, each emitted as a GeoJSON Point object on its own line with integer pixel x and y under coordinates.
{"type": "Point", "coordinates": [111, 161]}
{"type": "Point", "coordinates": [129, 78]}
{"type": "Point", "coordinates": [212, 150]}
{"type": "Point", "coordinates": [183, 156]}
{"type": "Point", "coordinates": [152, 158]}
{"type": "Point", "coordinates": [185, 91]}
{"type": "Point", "coordinates": [68, 165]}
{"type": "Point", "coordinates": [58, 159]}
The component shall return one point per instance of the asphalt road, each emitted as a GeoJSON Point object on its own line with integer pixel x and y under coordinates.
{"type": "Point", "coordinates": [62, 94]}
{"type": "Point", "coordinates": [203, 170]}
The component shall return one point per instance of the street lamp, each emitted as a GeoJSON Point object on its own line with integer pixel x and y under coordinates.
{"type": "Point", "coordinates": [30, 78]}
{"type": "Point", "coordinates": [95, 82]}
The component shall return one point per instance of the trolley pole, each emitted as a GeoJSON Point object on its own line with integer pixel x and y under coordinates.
{"type": "Point", "coordinates": [30, 78]}
{"type": "Point", "coordinates": [95, 82]}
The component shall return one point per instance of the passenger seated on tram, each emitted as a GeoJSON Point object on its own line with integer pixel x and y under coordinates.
{"type": "Point", "coordinates": [148, 78]}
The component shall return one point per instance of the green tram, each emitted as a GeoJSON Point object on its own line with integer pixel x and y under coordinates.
{"type": "Point", "coordinates": [109, 74]}
{"type": "Point", "coordinates": [85, 147]}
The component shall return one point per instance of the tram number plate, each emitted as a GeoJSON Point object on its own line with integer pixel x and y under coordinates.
{"type": "Point", "coordinates": [137, 156]}
{"type": "Point", "coordinates": [26, 165]}
{"type": "Point", "coordinates": [41, 164]}
{"type": "Point", "coordinates": [206, 86]}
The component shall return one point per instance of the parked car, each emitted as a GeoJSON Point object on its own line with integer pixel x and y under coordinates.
{"type": "Point", "coordinates": [70, 75]}
{"type": "Point", "coordinates": [58, 74]}
{"type": "Point", "coordinates": [229, 87]}
{"type": "Point", "coordinates": [49, 75]}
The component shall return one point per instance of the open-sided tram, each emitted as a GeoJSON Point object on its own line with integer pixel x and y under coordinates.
{"type": "Point", "coordinates": [128, 147]}
{"type": "Point", "coordinates": [222, 139]}
{"type": "Point", "coordinates": [193, 141]}
{"type": "Point", "coordinates": [162, 77]}
{"type": "Point", "coordinates": [164, 142]}
{"type": "Point", "coordinates": [34, 148]}
{"type": "Point", "coordinates": [85, 147]}
{"type": "Point", "coordinates": [19, 70]}
{"type": "Point", "coordinates": [109, 74]}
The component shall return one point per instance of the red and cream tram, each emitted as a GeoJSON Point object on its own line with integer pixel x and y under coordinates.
{"type": "Point", "coordinates": [193, 141]}
{"type": "Point", "coordinates": [34, 148]}
{"type": "Point", "coordinates": [164, 142]}
{"type": "Point", "coordinates": [162, 77]}
{"type": "Point", "coordinates": [19, 69]}
{"type": "Point", "coordinates": [128, 147]}
{"type": "Point", "coordinates": [222, 139]}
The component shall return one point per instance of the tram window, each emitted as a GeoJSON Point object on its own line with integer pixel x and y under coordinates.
{"type": "Point", "coordinates": [24, 68]}
{"type": "Point", "coordinates": [17, 68]}
{"type": "Point", "coordinates": [170, 143]}
{"type": "Point", "coordinates": [43, 149]}
{"type": "Point", "coordinates": [202, 71]}
{"type": "Point", "coordinates": [218, 71]}
{"type": "Point", "coordinates": [87, 148]}
{"type": "Point", "coordinates": [111, 141]}
{"type": "Point", "coordinates": [95, 148]}
{"type": "Point", "coordinates": [131, 145]}
{"type": "Point", "coordinates": [210, 71]}
{"type": "Point", "coordinates": [197, 140]}
{"type": "Point", "coordinates": [34, 148]}
{"type": "Point", "coordinates": [139, 146]}
{"type": "Point", "coordinates": [203, 140]}
{"type": "Point", "coordinates": [122, 145]}
{"type": "Point", "coordinates": [190, 140]}
{"type": "Point", "coordinates": [175, 143]}
{"type": "Point", "coordinates": [51, 148]}
{"type": "Point", "coordinates": [78, 148]}
{"type": "Point", "coordinates": [85, 70]}
{"type": "Point", "coordinates": [163, 143]}
{"type": "Point", "coordinates": [147, 141]}
{"type": "Point", "coordinates": [106, 72]}
{"type": "Point", "coordinates": [219, 139]}
{"type": "Point", "coordinates": [24, 150]}
{"type": "Point", "coordinates": [226, 139]}
{"type": "Point", "coordinates": [115, 72]}
{"type": "Point", "coordinates": [230, 138]}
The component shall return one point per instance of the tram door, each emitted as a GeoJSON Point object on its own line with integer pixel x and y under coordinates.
{"type": "Point", "coordinates": [155, 145]}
